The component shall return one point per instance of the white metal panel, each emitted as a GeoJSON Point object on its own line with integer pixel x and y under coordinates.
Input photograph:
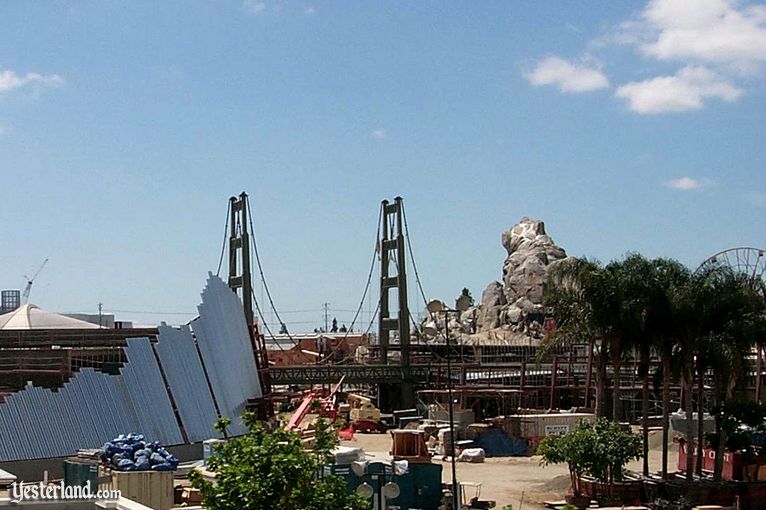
{"type": "Point", "coordinates": [227, 354]}
{"type": "Point", "coordinates": [183, 370]}
{"type": "Point", "coordinates": [90, 409]}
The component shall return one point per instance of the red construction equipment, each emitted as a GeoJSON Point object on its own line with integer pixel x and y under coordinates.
{"type": "Point", "coordinates": [328, 406]}
{"type": "Point", "coordinates": [302, 411]}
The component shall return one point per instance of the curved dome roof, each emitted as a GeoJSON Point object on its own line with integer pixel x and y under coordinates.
{"type": "Point", "coordinates": [31, 317]}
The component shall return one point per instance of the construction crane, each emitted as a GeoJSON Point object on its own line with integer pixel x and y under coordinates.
{"type": "Point", "coordinates": [30, 281]}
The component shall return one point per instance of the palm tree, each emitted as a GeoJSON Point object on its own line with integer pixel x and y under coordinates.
{"type": "Point", "coordinates": [605, 303]}
{"type": "Point", "coordinates": [717, 315]}
{"type": "Point", "coordinates": [637, 282]}
{"type": "Point", "coordinates": [735, 319]}
{"type": "Point", "coordinates": [608, 299]}
{"type": "Point", "coordinates": [667, 278]}
{"type": "Point", "coordinates": [690, 307]}
{"type": "Point", "coordinates": [631, 287]}
{"type": "Point", "coordinates": [570, 293]}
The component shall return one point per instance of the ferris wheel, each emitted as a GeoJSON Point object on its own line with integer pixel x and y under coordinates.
{"type": "Point", "coordinates": [743, 260]}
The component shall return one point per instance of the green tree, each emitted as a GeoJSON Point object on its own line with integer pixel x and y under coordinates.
{"type": "Point", "coordinates": [607, 303]}
{"type": "Point", "coordinates": [576, 449]}
{"type": "Point", "coordinates": [573, 292]}
{"type": "Point", "coordinates": [637, 289]}
{"type": "Point", "coordinates": [734, 321]}
{"type": "Point", "coordinates": [710, 311]}
{"type": "Point", "coordinates": [600, 450]}
{"type": "Point", "coordinates": [688, 306]}
{"type": "Point", "coordinates": [700, 322]}
{"type": "Point", "coordinates": [263, 469]}
{"type": "Point", "coordinates": [667, 277]}
{"type": "Point", "coordinates": [615, 448]}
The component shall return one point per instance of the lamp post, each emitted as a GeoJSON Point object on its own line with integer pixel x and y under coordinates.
{"type": "Point", "coordinates": [455, 490]}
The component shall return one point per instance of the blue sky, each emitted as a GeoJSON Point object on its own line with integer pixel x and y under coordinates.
{"type": "Point", "coordinates": [125, 127]}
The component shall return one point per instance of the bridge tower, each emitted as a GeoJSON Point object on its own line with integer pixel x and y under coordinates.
{"type": "Point", "coordinates": [240, 279]}
{"type": "Point", "coordinates": [393, 276]}
{"type": "Point", "coordinates": [240, 275]}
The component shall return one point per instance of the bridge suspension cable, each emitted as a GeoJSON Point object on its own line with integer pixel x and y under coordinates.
{"type": "Point", "coordinates": [364, 294]}
{"type": "Point", "coordinates": [412, 258]}
{"type": "Point", "coordinates": [223, 245]}
{"type": "Point", "coordinates": [254, 248]}
{"type": "Point", "coordinates": [415, 323]}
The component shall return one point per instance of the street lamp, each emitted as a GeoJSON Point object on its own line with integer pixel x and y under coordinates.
{"type": "Point", "coordinates": [455, 489]}
{"type": "Point", "coordinates": [431, 329]}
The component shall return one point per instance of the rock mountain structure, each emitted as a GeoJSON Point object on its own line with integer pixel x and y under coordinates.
{"type": "Point", "coordinates": [515, 304]}
{"type": "Point", "coordinates": [531, 255]}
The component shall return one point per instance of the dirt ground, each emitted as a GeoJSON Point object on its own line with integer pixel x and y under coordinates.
{"type": "Point", "coordinates": [504, 479]}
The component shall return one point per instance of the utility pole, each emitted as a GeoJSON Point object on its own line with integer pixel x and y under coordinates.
{"type": "Point", "coordinates": [326, 310]}
{"type": "Point", "coordinates": [100, 307]}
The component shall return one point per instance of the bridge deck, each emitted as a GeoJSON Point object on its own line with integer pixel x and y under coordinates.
{"type": "Point", "coordinates": [533, 375]}
{"type": "Point", "coordinates": [354, 374]}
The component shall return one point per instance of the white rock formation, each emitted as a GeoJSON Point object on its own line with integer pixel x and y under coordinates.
{"type": "Point", "coordinates": [531, 255]}
{"type": "Point", "coordinates": [516, 303]}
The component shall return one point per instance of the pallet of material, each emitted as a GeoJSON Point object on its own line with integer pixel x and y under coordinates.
{"type": "Point", "coordinates": [150, 488]}
{"type": "Point", "coordinates": [409, 445]}
{"type": "Point", "coordinates": [539, 425]}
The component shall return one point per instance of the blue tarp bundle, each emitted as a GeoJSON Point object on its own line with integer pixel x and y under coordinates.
{"type": "Point", "coordinates": [496, 444]}
{"type": "Point", "coordinates": [131, 453]}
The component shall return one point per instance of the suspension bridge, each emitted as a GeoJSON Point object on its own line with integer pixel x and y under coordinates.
{"type": "Point", "coordinates": [395, 376]}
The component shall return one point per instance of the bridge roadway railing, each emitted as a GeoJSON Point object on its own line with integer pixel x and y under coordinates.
{"type": "Point", "coordinates": [354, 374]}
{"type": "Point", "coordinates": [522, 374]}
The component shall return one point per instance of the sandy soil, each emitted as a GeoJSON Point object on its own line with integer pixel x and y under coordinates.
{"type": "Point", "coordinates": [504, 479]}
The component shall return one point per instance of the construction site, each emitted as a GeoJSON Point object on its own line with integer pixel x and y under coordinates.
{"type": "Point", "coordinates": [433, 384]}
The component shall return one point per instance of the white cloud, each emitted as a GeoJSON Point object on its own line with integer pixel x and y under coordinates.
{"type": "Point", "coordinates": [309, 11]}
{"type": "Point", "coordinates": [712, 31]}
{"type": "Point", "coordinates": [9, 80]}
{"type": "Point", "coordinates": [689, 184]}
{"type": "Point", "coordinates": [254, 6]}
{"type": "Point", "coordinates": [378, 134]}
{"type": "Point", "coordinates": [686, 90]}
{"type": "Point", "coordinates": [715, 43]}
{"type": "Point", "coordinates": [568, 77]}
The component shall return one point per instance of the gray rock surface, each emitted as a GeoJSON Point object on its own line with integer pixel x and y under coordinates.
{"type": "Point", "coordinates": [515, 304]}
{"type": "Point", "coordinates": [532, 254]}
{"type": "Point", "coordinates": [492, 302]}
